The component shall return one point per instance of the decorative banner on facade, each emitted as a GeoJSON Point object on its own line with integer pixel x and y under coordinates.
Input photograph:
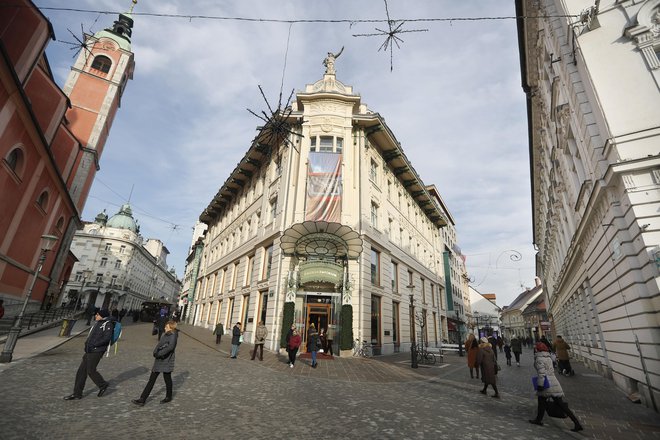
{"type": "Point", "coordinates": [324, 187]}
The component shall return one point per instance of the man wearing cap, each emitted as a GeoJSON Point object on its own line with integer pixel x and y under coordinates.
{"type": "Point", "coordinates": [96, 344]}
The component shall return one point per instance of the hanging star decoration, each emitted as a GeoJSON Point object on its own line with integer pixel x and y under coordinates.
{"type": "Point", "coordinates": [391, 35]}
{"type": "Point", "coordinates": [81, 43]}
{"type": "Point", "coordinates": [277, 128]}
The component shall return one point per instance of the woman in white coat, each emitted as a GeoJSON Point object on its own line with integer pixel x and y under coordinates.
{"type": "Point", "coordinates": [544, 368]}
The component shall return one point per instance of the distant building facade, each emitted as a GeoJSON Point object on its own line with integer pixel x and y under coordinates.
{"type": "Point", "coordinates": [512, 318]}
{"type": "Point", "coordinates": [484, 316]}
{"type": "Point", "coordinates": [51, 141]}
{"type": "Point", "coordinates": [116, 267]}
{"type": "Point", "coordinates": [332, 227]}
{"type": "Point", "coordinates": [595, 171]}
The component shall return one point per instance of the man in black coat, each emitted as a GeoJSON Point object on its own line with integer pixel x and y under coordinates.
{"type": "Point", "coordinates": [96, 344]}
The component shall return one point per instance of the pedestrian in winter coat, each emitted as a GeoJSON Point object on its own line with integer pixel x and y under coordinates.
{"type": "Point", "coordinates": [472, 348]}
{"type": "Point", "coordinates": [236, 333]}
{"type": "Point", "coordinates": [493, 344]}
{"type": "Point", "coordinates": [313, 343]}
{"type": "Point", "coordinates": [289, 334]}
{"type": "Point", "coordinates": [516, 348]}
{"type": "Point", "coordinates": [218, 332]}
{"type": "Point", "coordinates": [96, 344]}
{"type": "Point", "coordinates": [507, 353]}
{"type": "Point", "coordinates": [563, 360]}
{"type": "Point", "coordinates": [488, 364]}
{"type": "Point", "coordinates": [543, 366]}
{"type": "Point", "coordinates": [294, 343]}
{"type": "Point", "coordinates": [164, 353]}
{"type": "Point", "coordinates": [260, 336]}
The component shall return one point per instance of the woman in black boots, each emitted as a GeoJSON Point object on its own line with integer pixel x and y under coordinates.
{"type": "Point", "coordinates": [164, 363]}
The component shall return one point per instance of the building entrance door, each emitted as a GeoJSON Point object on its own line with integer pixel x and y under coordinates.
{"type": "Point", "coordinates": [318, 315]}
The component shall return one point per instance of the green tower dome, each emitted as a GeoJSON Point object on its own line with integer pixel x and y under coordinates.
{"type": "Point", "coordinates": [124, 219]}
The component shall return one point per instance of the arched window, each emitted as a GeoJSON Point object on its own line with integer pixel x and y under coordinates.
{"type": "Point", "coordinates": [102, 64]}
{"type": "Point", "coordinates": [42, 201]}
{"type": "Point", "coordinates": [60, 223]}
{"type": "Point", "coordinates": [15, 160]}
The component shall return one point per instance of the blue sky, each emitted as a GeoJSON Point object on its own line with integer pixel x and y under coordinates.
{"type": "Point", "coordinates": [453, 100]}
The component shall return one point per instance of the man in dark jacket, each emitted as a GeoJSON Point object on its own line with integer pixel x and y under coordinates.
{"type": "Point", "coordinates": [96, 344]}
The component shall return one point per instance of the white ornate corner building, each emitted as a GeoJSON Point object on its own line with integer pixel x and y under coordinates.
{"type": "Point", "coordinates": [116, 267]}
{"type": "Point", "coordinates": [328, 224]}
{"type": "Point", "coordinates": [592, 77]}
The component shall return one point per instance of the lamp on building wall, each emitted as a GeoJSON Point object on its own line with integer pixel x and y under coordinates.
{"type": "Point", "coordinates": [47, 243]}
{"type": "Point", "coordinates": [85, 274]}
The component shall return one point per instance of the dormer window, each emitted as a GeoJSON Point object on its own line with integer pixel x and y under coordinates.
{"type": "Point", "coordinates": [102, 64]}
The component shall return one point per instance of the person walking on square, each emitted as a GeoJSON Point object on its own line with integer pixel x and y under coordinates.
{"type": "Point", "coordinates": [516, 348]}
{"type": "Point", "coordinates": [487, 362]}
{"type": "Point", "coordinates": [493, 344]}
{"type": "Point", "coordinates": [331, 337]}
{"type": "Point", "coordinates": [96, 344]}
{"type": "Point", "coordinates": [472, 348]}
{"type": "Point", "coordinates": [218, 332]}
{"type": "Point", "coordinates": [294, 343]}
{"type": "Point", "coordinates": [164, 354]}
{"type": "Point", "coordinates": [91, 312]}
{"type": "Point", "coordinates": [544, 368]}
{"type": "Point", "coordinates": [507, 353]}
{"type": "Point", "coordinates": [323, 338]}
{"type": "Point", "coordinates": [313, 343]}
{"type": "Point", "coordinates": [260, 336]}
{"type": "Point", "coordinates": [236, 334]}
{"type": "Point", "coordinates": [563, 360]}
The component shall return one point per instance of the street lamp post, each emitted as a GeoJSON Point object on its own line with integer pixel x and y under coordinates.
{"type": "Point", "coordinates": [413, 347]}
{"type": "Point", "coordinates": [460, 339]}
{"type": "Point", "coordinates": [47, 243]}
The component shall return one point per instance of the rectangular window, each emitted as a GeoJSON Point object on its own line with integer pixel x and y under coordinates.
{"type": "Point", "coordinates": [423, 290]}
{"type": "Point", "coordinates": [375, 320]}
{"type": "Point", "coordinates": [230, 315]}
{"type": "Point", "coordinates": [373, 171]}
{"type": "Point", "coordinates": [99, 278]}
{"type": "Point", "coordinates": [113, 281]}
{"type": "Point", "coordinates": [248, 270]}
{"type": "Point", "coordinates": [326, 144]}
{"type": "Point", "coordinates": [395, 323]}
{"type": "Point", "coordinates": [395, 277]}
{"type": "Point", "coordinates": [374, 215]}
{"type": "Point", "coordinates": [340, 145]}
{"type": "Point", "coordinates": [433, 295]}
{"type": "Point", "coordinates": [264, 306]}
{"type": "Point", "coordinates": [375, 267]}
{"type": "Point", "coordinates": [118, 264]}
{"type": "Point", "coordinates": [223, 279]}
{"type": "Point", "coordinates": [410, 279]}
{"type": "Point", "coordinates": [217, 312]}
{"type": "Point", "coordinates": [246, 311]}
{"type": "Point", "coordinates": [273, 209]}
{"type": "Point", "coordinates": [234, 276]}
{"type": "Point", "coordinates": [312, 143]}
{"type": "Point", "coordinates": [108, 246]}
{"type": "Point", "coordinates": [79, 276]}
{"type": "Point", "coordinates": [268, 259]}
{"type": "Point", "coordinates": [104, 262]}
{"type": "Point", "coordinates": [122, 249]}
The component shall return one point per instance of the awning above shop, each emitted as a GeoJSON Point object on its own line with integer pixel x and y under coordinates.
{"type": "Point", "coordinates": [451, 326]}
{"type": "Point", "coordinates": [321, 240]}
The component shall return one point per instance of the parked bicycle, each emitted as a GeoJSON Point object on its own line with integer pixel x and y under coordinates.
{"type": "Point", "coordinates": [424, 356]}
{"type": "Point", "coordinates": [362, 348]}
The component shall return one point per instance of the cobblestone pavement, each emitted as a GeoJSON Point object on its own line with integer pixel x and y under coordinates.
{"type": "Point", "coordinates": [221, 398]}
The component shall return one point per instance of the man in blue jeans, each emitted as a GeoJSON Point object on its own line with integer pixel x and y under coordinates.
{"type": "Point", "coordinates": [235, 340]}
{"type": "Point", "coordinates": [96, 344]}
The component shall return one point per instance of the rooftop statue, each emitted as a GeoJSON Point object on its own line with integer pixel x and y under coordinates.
{"type": "Point", "coordinates": [329, 62]}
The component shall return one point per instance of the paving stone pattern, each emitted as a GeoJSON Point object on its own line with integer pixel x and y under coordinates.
{"type": "Point", "coordinates": [216, 397]}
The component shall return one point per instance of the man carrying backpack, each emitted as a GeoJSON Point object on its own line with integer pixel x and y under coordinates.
{"type": "Point", "coordinates": [96, 344]}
